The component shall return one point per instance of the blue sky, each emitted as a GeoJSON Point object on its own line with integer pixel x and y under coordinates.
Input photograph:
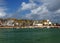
{"type": "Point", "coordinates": [13, 5]}
{"type": "Point", "coordinates": [31, 9]}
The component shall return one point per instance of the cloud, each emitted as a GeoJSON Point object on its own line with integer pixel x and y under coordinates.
{"type": "Point", "coordinates": [2, 12]}
{"type": "Point", "coordinates": [26, 6]}
{"type": "Point", "coordinates": [52, 5]}
{"type": "Point", "coordinates": [39, 10]}
{"type": "Point", "coordinates": [57, 11]}
{"type": "Point", "coordinates": [39, 13]}
{"type": "Point", "coordinates": [2, 9]}
{"type": "Point", "coordinates": [49, 9]}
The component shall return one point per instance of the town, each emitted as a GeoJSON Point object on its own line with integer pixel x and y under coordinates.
{"type": "Point", "coordinates": [22, 23]}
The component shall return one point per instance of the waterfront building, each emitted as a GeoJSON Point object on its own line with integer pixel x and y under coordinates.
{"type": "Point", "coordinates": [10, 23]}
{"type": "Point", "coordinates": [18, 22]}
{"type": "Point", "coordinates": [27, 23]}
{"type": "Point", "coordinates": [37, 24]}
{"type": "Point", "coordinates": [47, 23]}
{"type": "Point", "coordinates": [42, 23]}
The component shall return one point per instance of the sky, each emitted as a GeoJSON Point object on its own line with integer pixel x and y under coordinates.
{"type": "Point", "coordinates": [31, 9]}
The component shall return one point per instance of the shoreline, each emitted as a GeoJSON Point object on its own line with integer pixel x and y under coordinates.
{"type": "Point", "coordinates": [31, 27]}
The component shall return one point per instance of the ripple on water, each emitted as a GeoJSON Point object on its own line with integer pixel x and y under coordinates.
{"type": "Point", "coordinates": [26, 35]}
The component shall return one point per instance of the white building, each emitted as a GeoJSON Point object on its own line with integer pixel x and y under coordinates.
{"type": "Point", "coordinates": [42, 23]}
{"type": "Point", "coordinates": [10, 23]}
{"type": "Point", "coordinates": [37, 23]}
{"type": "Point", "coordinates": [47, 22]}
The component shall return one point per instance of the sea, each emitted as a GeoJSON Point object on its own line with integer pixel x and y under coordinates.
{"type": "Point", "coordinates": [30, 35]}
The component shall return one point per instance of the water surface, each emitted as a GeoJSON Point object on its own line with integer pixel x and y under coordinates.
{"type": "Point", "coordinates": [27, 35]}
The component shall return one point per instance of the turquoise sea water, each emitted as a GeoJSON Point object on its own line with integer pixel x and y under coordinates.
{"type": "Point", "coordinates": [36, 35]}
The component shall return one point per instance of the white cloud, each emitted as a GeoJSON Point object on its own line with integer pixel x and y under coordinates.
{"type": "Point", "coordinates": [45, 11]}
{"type": "Point", "coordinates": [26, 6]}
{"type": "Point", "coordinates": [2, 12]}
{"type": "Point", "coordinates": [39, 13]}
{"type": "Point", "coordinates": [35, 11]}
{"type": "Point", "coordinates": [48, 10]}
{"type": "Point", "coordinates": [57, 11]}
{"type": "Point", "coordinates": [52, 5]}
{"type": "Point", "coordinates": [40, 9]}
{"type": "Point", "coordinates": [2, 8]}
